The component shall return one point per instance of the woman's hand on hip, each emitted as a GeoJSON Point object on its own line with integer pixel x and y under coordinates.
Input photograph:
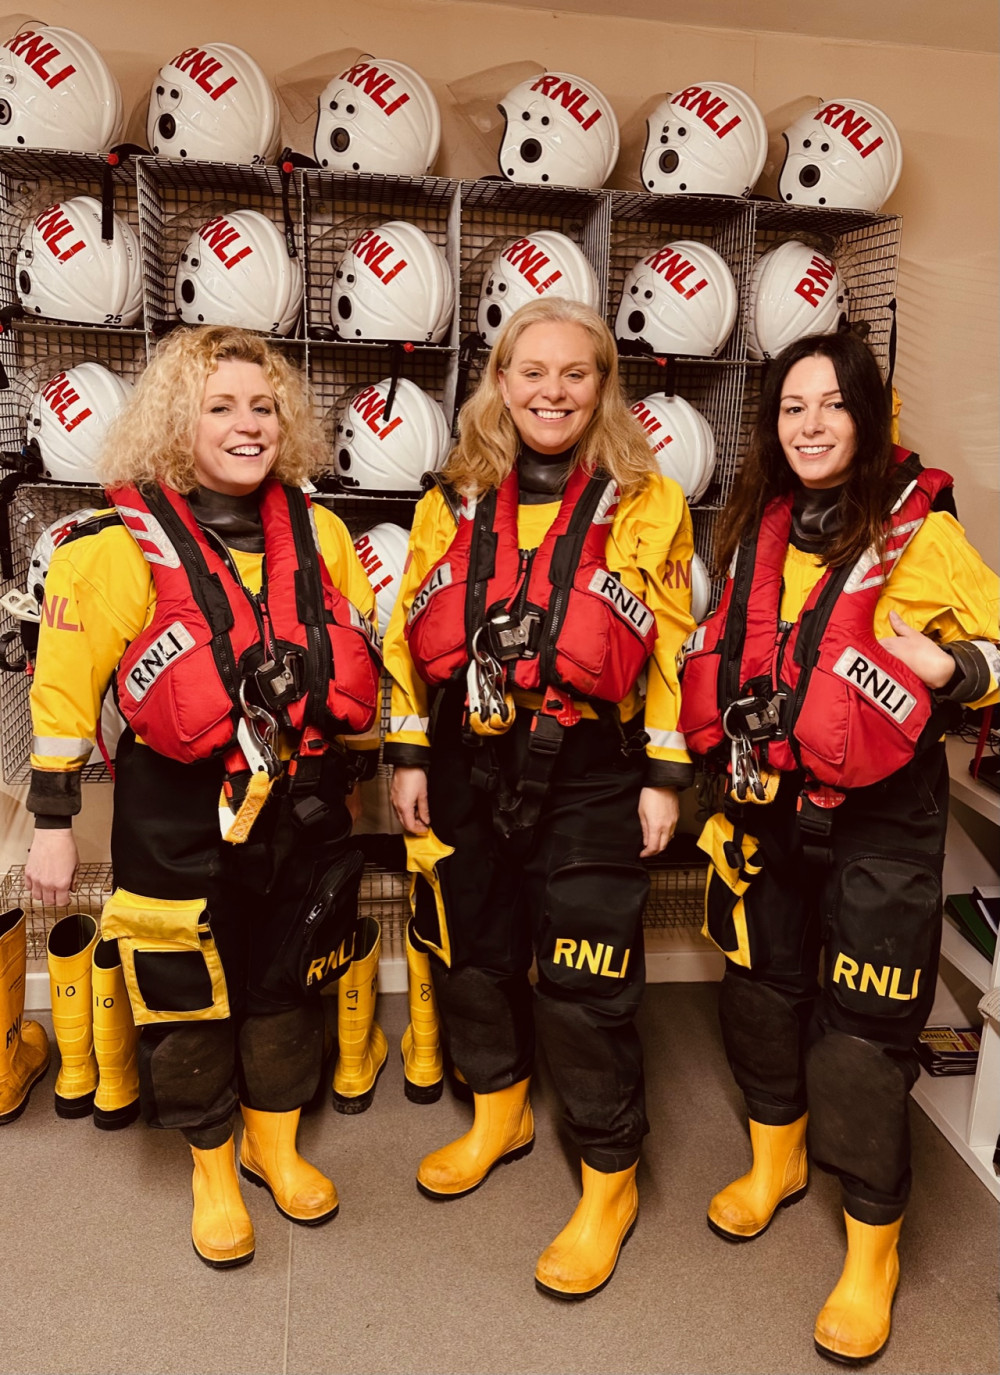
{"type": "Point", "coordinates": [51, 867]}
{"type": "Point", "coordinates": [659, 810]}
{"type": "Point", "coordinates": [409, 800]}
{"type": "Point", "coordinates": [932, 664]}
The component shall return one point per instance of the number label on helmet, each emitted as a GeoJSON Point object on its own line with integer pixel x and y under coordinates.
{"type": "Point", "coordinates": [53, 225]}
{"type": "Point", "coordinates": [200, 66]}
{"type": "Point", "coordinates": [674, 268]}
{"type": "Point", "coordinates": [572, 99]}
{"type": "Point", "coordinates": [219, 233]}
{"type": "Point", "coordinates": [373, 252]}
{"type": "Point", "coordinates": [707, 105]}
{"type": "Point", "coordinates": [38, 52]}
{"type": "Point", "coordinates": [377, 84]}
{"type": "Point", "coordinates": [370, 406]}
{"type": "Point", "coordinates": [816, 283]}
{"type": "Point", "coordinates": [851, 124]}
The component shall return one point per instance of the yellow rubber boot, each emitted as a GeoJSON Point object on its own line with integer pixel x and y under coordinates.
{"type": "Point", "coordinates": [24, 1046]}
{"type": "Point", "coordinates": [503, 1130]}
{"type": "Point", "coordinates": [777, 1178]}
{"type": "Point", "coordinates": [71, 958]}
{"type": "Point", "coordinates": [582, 1259]}
{"type": "Point", "coordinates": [853, 1325]}
{"type": "Point", "coordinates": [221, 1230]}
{"type": "Point", "coordinates": [116, 1102]}
{"type": "Point", "coordinates": [361, 1044]}
{"type": "Point", "coordinates": [423, 1063]}
{"type": "Point", "coordinates": [268, 1158]}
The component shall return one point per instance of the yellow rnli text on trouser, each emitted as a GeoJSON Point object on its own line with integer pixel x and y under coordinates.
{"type": "Point", "coordinates": [725, 921]}
{"type": "Point", "coordinates": [170, 961]}
{"type": "Point", "coordinates": [430, 920]}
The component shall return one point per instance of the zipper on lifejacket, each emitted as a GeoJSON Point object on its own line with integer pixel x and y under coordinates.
{"type": "Point", "coordinates": [785, 629]}
{"type": "Point", "coordinates": [519, 601]}
{"type": "Point", "coordinates": [257, 606]}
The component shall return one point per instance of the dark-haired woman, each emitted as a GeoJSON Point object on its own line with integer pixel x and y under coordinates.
{"type": "Point", "coordinates": [854, 612]}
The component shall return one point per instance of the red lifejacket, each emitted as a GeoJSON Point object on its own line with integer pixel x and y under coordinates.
{"type": "Point", "coordinates": [179, 680]}
{"type": "Point", "coordinates": [578, 625]}
{"type": "Point", "coordinates": [852, 713]}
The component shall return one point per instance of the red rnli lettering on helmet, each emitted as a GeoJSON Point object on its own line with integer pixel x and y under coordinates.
{"type": "Point", "coordinates": [367, 77]}
{"type": "Point", "coordinates": [60, 394]}
{"type": "Point", "coordinates": [53, 226]}
{"type": "Point", "coordinates": [39, 53]}
{"type": "Point", "coordinates": [218, 233]}
{"type": "Point", "coordinates": [674, 268]}
{"type": "Point", "coordinates": [570, 97]}
{"type": "Point", "coordinates": [650, 424]}
{"type": "Point", "coordinates": [708, 107]}
{"type": "Point", "coordinates": [372, 564]}
{"type": "Point", "coordinates": [816, 283]}
{"type": "Point", "coordinates": [369, 405]}
{"type": "Point", "coordinates": [200, 66]}
{"type": "Point", "coordinates": [852, 125]}
{"type": "Point", "coordinates": [376, 254]}
{"type": "Point", "coordinates": [531, 261]}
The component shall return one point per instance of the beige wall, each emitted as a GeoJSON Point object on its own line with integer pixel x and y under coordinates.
{"type": "Point", "coordinates": [944, 104]}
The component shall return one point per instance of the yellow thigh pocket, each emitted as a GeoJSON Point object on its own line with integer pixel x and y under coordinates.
{"type": "Point", "coordinates": [725, 921]}
{"type": "Point", "coordinates": [170, 961]}
{"type": "Point", "coordinates": [423, 855]}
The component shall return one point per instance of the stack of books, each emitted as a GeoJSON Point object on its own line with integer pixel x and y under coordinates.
{"type": "Point", "coordinates": [976, 914]}
{"type": "Point", "coordinates": [949, 1049]}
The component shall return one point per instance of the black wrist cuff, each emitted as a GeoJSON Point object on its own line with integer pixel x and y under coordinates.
{"type": "Point", "coordinates": [54, 794]}
{"type": "Point", "coordinates": [972, 678]}
{"type": "Point", "coordinates": [403, 756]}
{"type": "Point", "coordinates": [52, 823]}
{"type": "Point", "coordinates": [668, 773]}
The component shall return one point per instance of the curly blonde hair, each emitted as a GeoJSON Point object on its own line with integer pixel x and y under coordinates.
{"type": "Point", "coordinates": [488, 440]}
{"type": "Point", "coordinates": [152, 440]}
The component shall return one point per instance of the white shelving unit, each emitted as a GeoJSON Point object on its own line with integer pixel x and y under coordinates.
{"type": "Point", "coordinates": [966, 1108]}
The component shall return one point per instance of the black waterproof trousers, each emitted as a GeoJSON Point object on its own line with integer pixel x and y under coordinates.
{"type": "Point", "coordinates": [166, 843]}
{"type": "Point", "coordinates": [569, 891]}
{"type": "Point", "coordinates": [870, 909]}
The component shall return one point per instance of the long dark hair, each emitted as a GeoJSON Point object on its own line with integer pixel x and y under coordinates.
{"type": "Point", "coordinates": [867, 493]}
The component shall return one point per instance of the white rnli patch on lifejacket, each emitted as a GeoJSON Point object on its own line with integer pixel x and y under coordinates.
{"type": "Point", "coordinates": [695, 640]}
{"type": "Point", "coordinates": [362, 623]}
{"type": "Point", "coordinates": [175, 641]}
{"type": "Point", "coordinates": [439, 579]}
{"type": "Point", "coordinates": [876, 684]}
{"type": "Point", "coordinates": [624, 603]}
{"type": "Point", "coordinates": [607, 506]}
{"type": "Point", "coordinates": [150, 536]}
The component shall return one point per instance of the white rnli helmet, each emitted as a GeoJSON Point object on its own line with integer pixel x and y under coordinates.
{"type": "Point", "coordinates": [795, 290]}
{"type": "Point", "coordinates": [845, 154]}
{"type": "Point", "coordinates": [382, 551]}
{"type": "Point", "coordinates": [213, 104]}
{"type": "Point", "coordinates": [69, 417]}
{"type": "Point", "coordinates": [701, 589]}
{"type": "Point", "coordinates": [66, 271]}
{"type": "Point", "coordinates": [378, 116]}
{"type": "Point", "coordinates": [235, 270]}
{"type": "Point", "coordinates": [393, 283]}
{"type": "Point", "coordinates": [57, 91]}
{"type": "Point", "coordinates": [392, 455]}
{"type": "Point", "coordinates": [545, 263]}
{"type": "Point", "coordinates": [681, 440]}
{"type": "Point", "coordinates": [707, 140]}
{"type": "Point", "coordinates": [560, 131]}
{"type": "Point", "coordinates": [679, 299]}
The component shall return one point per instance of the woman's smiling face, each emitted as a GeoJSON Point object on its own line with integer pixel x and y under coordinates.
{"type": "Point", "coordinates": [815, 429]}
{"type": "Point", "coordinates": [237, 435]}
{"type": "Point", "coordinates": [552, 386]}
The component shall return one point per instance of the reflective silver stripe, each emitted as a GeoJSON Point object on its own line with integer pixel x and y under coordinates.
{"type": "Point", "coordinates": [666, 739]}
{"type": "Point", "coordinates": [414, 723]}
{"type": "Point", "coordinates": [48, 746]}
{"type": "Point", "coordinates": [991, 654]}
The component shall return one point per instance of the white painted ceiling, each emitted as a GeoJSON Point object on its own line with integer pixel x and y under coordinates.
{"type": "Point", "coordinates": [968, 25]}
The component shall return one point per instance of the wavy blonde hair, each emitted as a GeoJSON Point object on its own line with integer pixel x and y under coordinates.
{"type": "Point", "coordinates": [153, 438]}
{"type": "Point", "coordinates": [488, 440]}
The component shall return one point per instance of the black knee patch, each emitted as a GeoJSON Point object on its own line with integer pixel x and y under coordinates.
{"type": "Point", "coordinates": [280, 1058]}
{"type": "Point", "coordinates": [487, 1023]}
{"type": "Point", "coordinates": [762, 1032]}
{"type": "Point", "coordinates": [187, 1074]}
{"type": "Point", "coordinates": [858, 1116]}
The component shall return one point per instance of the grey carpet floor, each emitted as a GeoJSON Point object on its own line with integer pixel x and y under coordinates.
{"type": "Point", "coordinates": [99, 1275]}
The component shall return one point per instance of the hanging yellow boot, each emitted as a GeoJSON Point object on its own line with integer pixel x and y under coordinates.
{"type": "Point", "coordinates": [503, 1130]}
{"type": "Point", "coordinates": [853, 1325]}
{"type": "Point", "coordinates": [24, 1046]}
{"type": "Point", "coordinates": [777, 1178]}
{"type": "Point", "coordinates": [268, 1158]}
{"type": "Point", "coordinates": [582, 1259]}
{"type": "Point", "coordinates": [362, 1048]}
{"type": "Point", "coordinates": [423, 1063]}
{"type": "Point", "coordinates": [71, 958]}
{"type": "Point", "coordinates": [221, 1230]}
{"type": "Point", "coordinates": [116, 1102]}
